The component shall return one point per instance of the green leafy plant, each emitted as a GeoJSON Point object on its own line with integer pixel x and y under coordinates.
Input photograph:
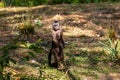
{"type": "Point", "coordinates": [4, 62]}
{"type": "Point", "coordinates": [38, 2]}
{"type": "Point", "coordinates": [34, 50]}
{"type": "Point", "coordinates": [111, 47]}
{"type": "Point", "coordinates": [1, 4]}
{"type": "Point", "coordinates": [34, 47]}
{"type": "Point", "coordinates": [31, 54]}
{"type": "Point", "coordinates": [111, 34]}
{"type": "Point", "coordinates": [5, 59]}
{"type": "Point", "coordinates": [28, 78]}
{"type": "Point", "coordinates": [38, 23]}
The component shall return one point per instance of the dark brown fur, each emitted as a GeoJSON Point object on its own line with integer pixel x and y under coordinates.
{"type": "Point", "coordinates": [57, 45]}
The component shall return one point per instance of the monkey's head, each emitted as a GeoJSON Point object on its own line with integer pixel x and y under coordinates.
{"type": "Point", "coordinates": [56, 25]}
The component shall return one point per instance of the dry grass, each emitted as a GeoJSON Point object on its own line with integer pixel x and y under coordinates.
{"type": "Point", "coordinates": [83, 25]}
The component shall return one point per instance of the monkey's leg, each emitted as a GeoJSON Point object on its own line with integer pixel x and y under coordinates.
{"type": "Point", "coordinates": [61, 57]}
{"type": "Point", "coordinates": [56, 57]}
{"type": "Point", "coordinates": [61, 54]}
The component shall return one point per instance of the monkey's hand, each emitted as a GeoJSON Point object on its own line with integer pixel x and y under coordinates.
{"type": "Point", "coordinates": [56, 42]}
{"type": "Point", "coordinates": [63, 45]}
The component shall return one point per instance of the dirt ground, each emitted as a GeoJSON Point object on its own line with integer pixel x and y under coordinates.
{"type": "Point", "coordinates": [84, 25]}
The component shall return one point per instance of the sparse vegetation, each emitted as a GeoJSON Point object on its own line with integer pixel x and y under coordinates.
{"type": "Point", "coordinates": [1, 4]}
{"type": "Point", "coordinates": [112, 47]}
{"type": "Point", "coordinates": [38, 2]}
{"type": "Point", "coordinates": [26, 28]}
{"type": "Point", "coordinates": [84, 27]}
{"type": "Point", "coordinates": [5, 60]}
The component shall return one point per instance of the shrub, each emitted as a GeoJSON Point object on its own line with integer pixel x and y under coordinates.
{"type": "Point", "coordinates": [5, 58]}
{"type": "Point", "coordinates": [26, 29]}
{"type": "Point", "coordinates": [111, 47]}
{"type": "Point", "coordinates": [24, 2]}
{"type": "Point", "coordinates": [111, 34]}
{"type": "Point", "coordinates": [39, 2]}
{"type": "Point", "coordinates": [1, 4]}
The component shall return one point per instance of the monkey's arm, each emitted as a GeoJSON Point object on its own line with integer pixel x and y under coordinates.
{"type": "Point", "coordinates": [62, 39]}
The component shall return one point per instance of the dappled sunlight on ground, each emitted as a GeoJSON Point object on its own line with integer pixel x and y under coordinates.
{"type": "Point", "coordinates": [83, 26]}
{"type": "Point", "coordinates": [77, 32]}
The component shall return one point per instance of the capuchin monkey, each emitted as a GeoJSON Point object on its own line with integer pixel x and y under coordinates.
{"type": "Point", "coordinates": [57, 45]}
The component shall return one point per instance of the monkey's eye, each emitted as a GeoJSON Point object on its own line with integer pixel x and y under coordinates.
{"type": "Point", "coordinates": [55, 25]}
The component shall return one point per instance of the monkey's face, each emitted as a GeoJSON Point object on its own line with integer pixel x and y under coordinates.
{"type": "Point", "coordinates": [56, 26]}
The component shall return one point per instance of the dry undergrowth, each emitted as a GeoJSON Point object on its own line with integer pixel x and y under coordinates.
{"type": "Point", "coordinates": [83, 25]}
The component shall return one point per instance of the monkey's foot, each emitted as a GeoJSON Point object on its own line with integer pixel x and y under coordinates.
{"type": "Point", "coordinates": [55, 65]}
{"type": "Point", "coordinates": [61, 66]}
